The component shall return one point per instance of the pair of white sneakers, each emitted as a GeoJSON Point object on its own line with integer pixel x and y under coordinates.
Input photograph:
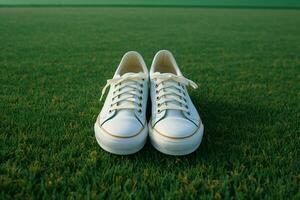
{"type": "Point", "coordinates": [175, 127]}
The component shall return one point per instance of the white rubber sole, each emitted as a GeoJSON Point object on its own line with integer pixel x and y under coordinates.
{"type": "Point", "coordinates": [174, 146]}
{"type": "Point", "coordinates": [119, 145]}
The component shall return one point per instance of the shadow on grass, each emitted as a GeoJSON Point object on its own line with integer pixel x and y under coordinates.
{"type": "Point", "coordinates": [229, 130]}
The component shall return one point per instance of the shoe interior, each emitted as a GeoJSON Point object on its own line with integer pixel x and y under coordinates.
{"type": "Point", "coordinates": [131, 63]}
{"type": "Point", "coordinates": [165, 63]}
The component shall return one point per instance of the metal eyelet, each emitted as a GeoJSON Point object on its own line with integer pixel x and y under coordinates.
{"type": "Point", "coordinates": [140, 111]}
{"type": "Point", "coordinates": [158, 111]}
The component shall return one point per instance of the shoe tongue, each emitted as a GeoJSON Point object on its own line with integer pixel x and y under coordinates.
{"type": "Point", "coordinates": [172, 113]}
{"type": "Point", "coordinates": [128, 74]}
{"type": "Point", "coordinates": [123, 113]}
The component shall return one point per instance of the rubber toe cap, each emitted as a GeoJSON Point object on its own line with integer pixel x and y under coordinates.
{"type": "Point", "coordinates": [175, 127]}
{"type": "Point", "coordinates": [123, 127]}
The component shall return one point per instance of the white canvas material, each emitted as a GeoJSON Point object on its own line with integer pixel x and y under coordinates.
{"type": "Point", "coordinates": [121, 126]}
{"type": "Point", "coordinates": [175, 127]}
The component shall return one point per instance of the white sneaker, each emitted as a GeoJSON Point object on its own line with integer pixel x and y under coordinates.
{"type": "Point", "coordinates": [121, 126]}
{"type": "Point", "coordinates": [175, 127]}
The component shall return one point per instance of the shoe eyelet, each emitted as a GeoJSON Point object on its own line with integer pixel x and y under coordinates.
{"type": "Point", "coordinates": [140, 98]}
{"type": "Point", "coordinates": [109, 111]}
{"type": "Point", "coordinates": [140, 111]}
{"type": "Point", "coordinates": [158, 111]}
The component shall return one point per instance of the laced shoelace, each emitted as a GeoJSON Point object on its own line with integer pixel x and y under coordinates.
{"type": "Point", "coordinates": [170, 93]}
{"type": "Point", "coordinates": [127, 91]}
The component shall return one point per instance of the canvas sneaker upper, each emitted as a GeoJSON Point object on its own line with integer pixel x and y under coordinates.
{"type": "Point", "coordinates": [173, 113]}
{"type": "Point", "coordinates": [123, 112]}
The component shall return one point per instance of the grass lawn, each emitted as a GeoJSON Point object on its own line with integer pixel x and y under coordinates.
{"type": "Point", "coordinates": [55, 61]}
{"type": "Point", "coordinates": [211, 3]}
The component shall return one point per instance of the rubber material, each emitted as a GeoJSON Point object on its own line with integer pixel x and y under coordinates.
{"type": "Point", "coordinates": [119, 145]}
{"type": "Point", "coordinates": [174, 146]}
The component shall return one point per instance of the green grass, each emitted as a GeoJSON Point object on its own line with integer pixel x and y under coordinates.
{"type": "Point", "coordinates": [55, 61]}
{"type": "Point", "coordinates": [210, 3]}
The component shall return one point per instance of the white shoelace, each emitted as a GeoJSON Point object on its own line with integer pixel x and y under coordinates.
{"type": "Point", "coordinates": [170, 93]}
{"type": "Point", "coordinates": [127, 91]}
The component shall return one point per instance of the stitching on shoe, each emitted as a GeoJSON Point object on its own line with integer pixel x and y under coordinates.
{"type": "Point", "coordinates": [98, 122]}
{"type": "Point", "coordinates": [164, 135]}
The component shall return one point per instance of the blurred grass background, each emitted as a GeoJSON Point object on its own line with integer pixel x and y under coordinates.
{"type": "Point", "coordinates": [209, 3]}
